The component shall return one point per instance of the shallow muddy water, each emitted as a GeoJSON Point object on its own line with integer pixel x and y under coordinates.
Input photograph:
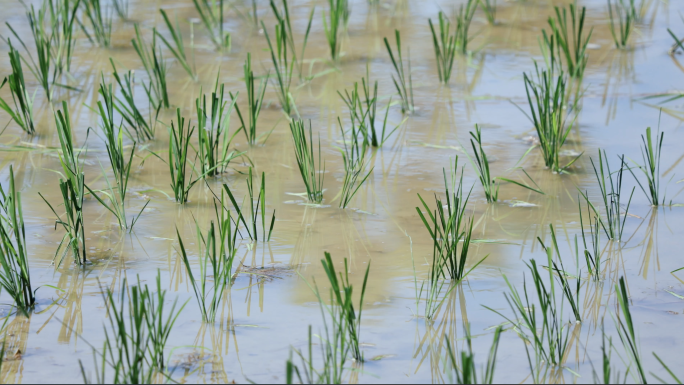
{"type": "Point", "coordinates": [269, 307]}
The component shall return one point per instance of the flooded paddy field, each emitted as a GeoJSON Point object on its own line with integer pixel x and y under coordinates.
{"type": "Point", "coordinates": [449, 273]}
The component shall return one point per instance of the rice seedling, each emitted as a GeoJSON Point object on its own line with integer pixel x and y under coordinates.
{"type": "Point", "coordinates": [572, 298]}
{"type": "Point", "coordinates": [445, 47]}
{"type": "Point", "coordinates": [22, 113]}
{"type": "Point", "coordinates": [449, 228]}
{"type": "Point", "coordinates": [179, 146]}
{"type": "Point", "coordinates": [41, 69]}
{"type": "Point", "coordinates": [403, 85]}
{"type": "Point", "coordinates": [539, 325]}
{"type": "Point", "coordinates": [119, 162]}
{"type": "Point", "coordinates": [283, 20]}
{"type": "Point", "coordinates": [153, 61]}
{"type": "Point", "coordinates": [177, 48]}
{"type": "Point", "coordinates": [363, 112]}
{"type": "Point", "coordinates": [626, 331]}
{"type": "Point", "coordinates": [334, 355]}
{"type": "Point", "coordinates": [547, 98]}
{"type": "Point", "coordinates": [15, 275]}
{"type": "Point", "coordinates": [463, 19]}
{"type": "Point", "coordinates": [214, 141]}
{"type": "Point", "coordinates": [255, 100]}
{"type": "Point", "coordinates": [354, 159]}
{"type": "Point", "coordinates": [216, 255]}
{"type": "Point", "coordinates": [481, 165]}
{"type": "Point", "coordinates": [143, 128]}
{"type": "Point", "coordinates": [667, 368]}
{"type": "Point", "coordinates": [136, 336]}
{"type": "Point", "coordinates": [650, 153]}
{"type": "Point", "coordinates": [254, 211]}
{"type": "Point", "coordinates": [283, 67]}
{"type": "Point", "coordinates": [678, 43]}
{"type": "Point", "coordinates": [100, 23]}
{"type": "Point", "coordinates": [569, 38]}
{"type": "Point", "coordinates": [121, 8]}
{"type": "Point", "coordinates": [304, 152]}
{"type": "Point", "coordinates": [489, 9]}
{"type": "Point", "coordinates": [464, 368]}
{"type": "Point", "coordinates": [337, 20]}
{"type": "Point", "coordinates": [63, 14]}
{"type": "Point", "coordinates": [72, 188]}
{"type": "Point", "coordinates": [592, 256]}
{"type": "Point", "coordinates": [611, 192]}
{"type": "Point", "coordinates": [211, 14]}
{"type": "Point", "coordinates": [625, 22]}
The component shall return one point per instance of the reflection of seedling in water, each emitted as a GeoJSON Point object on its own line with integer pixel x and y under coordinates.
{"type": "Point", "coordinates": [15, 276]}
{"type": "Point", "coordinates": [402, 82]}
{"type": "Point", "coordinates": [304, 152]}
{"type": "Point", "coordinates": [22, 114]}
{"type": "Point", "coordinates": [463, 365]}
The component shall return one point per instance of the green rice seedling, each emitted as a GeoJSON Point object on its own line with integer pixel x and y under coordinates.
{"type": "Point", "coordinates": [334, 355]}
{"type": "Point", "coordinates": [213, 138]}
{"type": "Point", "coordinates": [363, 112]}
{"type": "Point", "coordinates": [402, 82]}
{"type": "Point", "coordinates": [283, 20]}
{"type": "Point", "coordinates": [678, 43]}
{"type": "Point", "coordinates": [611, 193]}
{"type": "Point", "coordinates": [625, 22]}
{"type": "Point", "coordinates": [177, 48]}
{"type": "Point", "coordinates": [547, 98]}
{"type": "Point", "coordinates": [650, 153]}
{"type": "Point", "coordinates": [481, 165]}
{"type": "Point", "coordinates": [143, 128]}
{"type": "Point", "coordinates": [254, 211]}
{"type": "Point", "coordinates": [15, 275]}
{"type": "Point", "coordinates": [592, 256]}
{"type": "Point", "coordinates": [63, 16]}
{"type": "Point", "coordinates": [120, 163]}
{"type": "Point", "coordinates": [283, 67]}
{"type": "Point", "coordinates": [572, 298]}
{"type": "Point", "coordinates": [255, 100]}
{"type": "Point", "coordinates": [304, 152]}
{"type": "Point", "coordinates": [463, 367]}
{"type": "Point", "coordinates": [72, 188]}
{"type": "Point", "coordinates": [211, 14]}
{"type": "Point", "coordinates": [539, 324]}
{"type": "Point", "coordinates": [463, 19]}
{"type": "Point", "coordinates": [216, 255]}
{"type": "Point", "coordinates": [121, 8]}
{"type": "Point", "coordinates": [445, 47]}
{"type": "Point", "coordinates": [354, 159]}
{"type": "Point", "coordinates": [489, 9]}
{"type": "Point", "coordinates": [447, 227]}
{"type": "Point", "coordinates": [626, 331]}
{"type": "Point", "coordinates": [179, 152]}
{"type": "Point", "coordinates": [667, 368]}
{"type": "Point", "coordinates": [153, 61]}
{"type": "Point", "coordinates": [22, 113]}
{"type": "Point", "coordinates": [136, 336]}
{"type": "Point", "coordinates": [100, 23]}
{"type": "Point", "coordinates": [341, 292]}
{"type": "Point", "coordinates": [41, 68]}
{"type": "Point", "coordinates": [571, 44]}
{"type": "Point", "coordinates": [337, 20]}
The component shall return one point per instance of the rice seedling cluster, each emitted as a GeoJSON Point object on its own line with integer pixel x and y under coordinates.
{"type": "Point", "coordinates": [559, 299]}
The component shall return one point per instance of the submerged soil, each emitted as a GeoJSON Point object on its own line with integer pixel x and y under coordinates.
{"type": "Point", "coordinates": [269, 307]}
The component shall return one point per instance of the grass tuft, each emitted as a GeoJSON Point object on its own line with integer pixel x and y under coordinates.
{"type": "Point", "coordinates": [650, 154]}
{"type": "Point", "coordinates": [143, 128]}
{"type": "Point", "coordinates": [354, 159]}
{"type": "Point", "coordinates": [15, 274]}
{"type": "Point", "coordinates": [338, 16]}
{"type": "Point", "coordinates": [283, 20]}
{"type": "Point", "coordinates": [445, 47]}
{"type": "Point", "coordinates": [255, 100]}
{"type": "Point", "coordinates": [304, 152]}
{"type": "Point", "coordinates": [570, 42]}
{"type": "Point", "coordinates": [402, 82]}
{"type": "Point", "coordinates": [179, 152]}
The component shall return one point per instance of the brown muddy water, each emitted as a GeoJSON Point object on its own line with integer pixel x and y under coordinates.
{"type": "Point", "coordinates": [269, 307]}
